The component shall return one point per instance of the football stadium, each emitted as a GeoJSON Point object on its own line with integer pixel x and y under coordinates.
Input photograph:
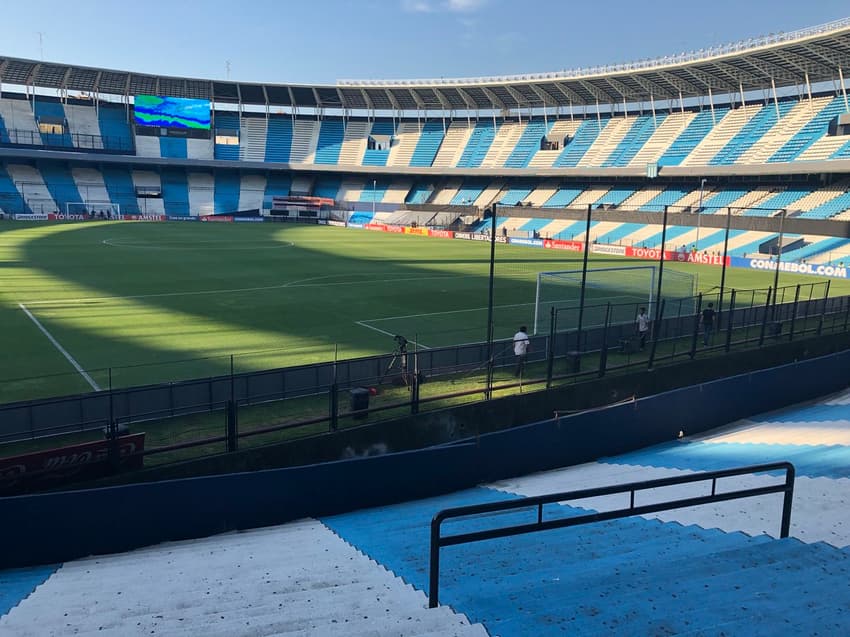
{"type": "Point", "coordinates": [538, 354]}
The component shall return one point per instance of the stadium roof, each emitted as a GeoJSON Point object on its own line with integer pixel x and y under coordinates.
{"type": "Point", "coordinates": [810, 56]}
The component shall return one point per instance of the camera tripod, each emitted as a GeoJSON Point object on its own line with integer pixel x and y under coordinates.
{"type": "Point", "coordinates": [400, 358]}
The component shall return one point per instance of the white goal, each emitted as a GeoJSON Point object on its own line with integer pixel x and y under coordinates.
{"type": "Point", "coordinates": [93, 210]}
{"type": "Point", "coordinates": [625, 288]}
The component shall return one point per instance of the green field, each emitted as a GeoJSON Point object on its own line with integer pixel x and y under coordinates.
{"type": "Point", "coordinates": [151, 302]}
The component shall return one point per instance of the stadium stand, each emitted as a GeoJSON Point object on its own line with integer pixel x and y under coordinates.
{"type": "Point", "coordinates": [428, 144]}
{"type": "Point", "coordinates": [113, 126]}
{"type": "Point", "coordinates": [477, 147]}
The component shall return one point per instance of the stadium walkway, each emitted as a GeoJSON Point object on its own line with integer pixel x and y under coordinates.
{"type": "Point", "coordinates": [714, 570]}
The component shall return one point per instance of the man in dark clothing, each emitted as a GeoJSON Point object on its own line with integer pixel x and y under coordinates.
{"type": "Point", "coordinates": [707, 323]}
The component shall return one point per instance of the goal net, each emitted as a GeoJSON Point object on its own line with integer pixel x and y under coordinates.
{"type": "Point", "coordinates": [93, 209]}
{"type": "Point", "coordinates": [625, 288]}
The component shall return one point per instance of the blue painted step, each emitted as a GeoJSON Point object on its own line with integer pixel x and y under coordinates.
{"type": "Point", "coordinates": [630, 576]}
{"type": "Point", "coordinates": [17, 584]}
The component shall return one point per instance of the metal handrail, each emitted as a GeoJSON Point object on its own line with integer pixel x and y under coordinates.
{"type": "Point", "coordinates": [438, 540]}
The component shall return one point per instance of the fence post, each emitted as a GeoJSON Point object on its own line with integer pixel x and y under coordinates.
{"type": "Point", "coordinates": [112, 430]}
{"type": "Point", "coordinates": [764, 316]}
{"type": "Point", "coordinates": [603, 352]}
{"type": "Point", "coordinates": [334, 394]}
{"type": "Point", "coordinates": [414, 383]}
{"type": "Point", "coordinates": [695, 334]}
{"type": "Point", "coordinates": [731, 320]}
{"type": "Point", "coordinates": [550, 358]}
{"type": "Point", "coordinates": [232, 427]}
{"type": "Point", "coordinates": [846, 312]}
{"type": "Point", "coordinates": [787, 501]}
{"type": "Point", "coordinates": [659, 316]}
{"type": "Point", "coordinates": [823, 309]}
{"type": "Point", "coordinates": [794, 313]}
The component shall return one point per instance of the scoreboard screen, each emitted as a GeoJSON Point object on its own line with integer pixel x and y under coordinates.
{"type": "Point", "coordinates": [171, 112]}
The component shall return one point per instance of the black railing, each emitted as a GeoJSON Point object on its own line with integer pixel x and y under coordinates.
{"type": "Point", "coordinates": [438, 541]}
{"type": "Point", "coordinates": [124, 405]}
{"type": "Point", "coordinates": [68, 141]}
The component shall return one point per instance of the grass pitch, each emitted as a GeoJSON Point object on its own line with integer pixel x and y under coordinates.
{"type": "Point", "coordinates": [83, 305]}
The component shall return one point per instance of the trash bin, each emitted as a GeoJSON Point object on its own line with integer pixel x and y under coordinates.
{"type": "Point", "coordinates": [360, 401]}
{"type": "Point", "coordinates": [573, 362]}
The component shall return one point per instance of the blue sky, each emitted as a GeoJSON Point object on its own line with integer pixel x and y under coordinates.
{"type": "Point", "coordinates": [321, 41]}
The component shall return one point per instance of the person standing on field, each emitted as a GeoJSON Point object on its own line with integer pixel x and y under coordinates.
{"type": "Point", "coordinates": [642, 324]}
{"type": "Point", "coordinates": [520, 349]}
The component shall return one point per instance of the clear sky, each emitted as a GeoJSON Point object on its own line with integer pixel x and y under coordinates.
{"type": "Point", "coordinates": [321, 41]}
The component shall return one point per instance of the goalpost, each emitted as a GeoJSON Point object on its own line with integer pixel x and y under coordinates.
{"type": "Point", "coordinates": [94, 209]}
{"type": "Point", "coordinates": [624, 287]}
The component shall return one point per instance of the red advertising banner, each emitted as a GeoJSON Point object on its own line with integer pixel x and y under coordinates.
{"type": "Point", "coordinates": [87, 459]}
{"type": "Point", "coordinates": [375, 226]}
{"type": "Point", "coordinates": [398, 229]}
{"type": "Point", "coordinates": [558, 244]}
{"type": "Point", "coordinates": [145, 218]}
{"type": "Point", "coordinates": [654, 254]}
{"type": "Point", "coordinates": [220, 219]}
{"type": "Point", "coordinates": [442, 234]}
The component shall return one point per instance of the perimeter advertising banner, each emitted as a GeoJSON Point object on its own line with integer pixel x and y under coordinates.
{"type": "Point", "coordinates": [569, 246]}
{"type": "Point", "coordinates": [601, 248]}
{"type": "Point", "coordinates": [88, 459]}
{"type": "Point", "coordinates": [422, 232]}
{"type": "Point", "coordinates": [654, 254]}
{"type": "Point", "coordinates": [535, 243]}
{"type": "Point", "coordinates": [815, 269]}
{"type": "Point", "coordinates": [478, 236]}
{"type": "Point", "coordinates": [442, 234]}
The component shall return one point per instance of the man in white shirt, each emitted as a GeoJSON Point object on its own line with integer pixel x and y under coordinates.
{"type": "Point", "coordinates": [520, 349]}
{"type": "Point", "coordinates": [642, 323]}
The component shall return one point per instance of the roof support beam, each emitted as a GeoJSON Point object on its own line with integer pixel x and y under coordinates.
{"type": "Point", "coordinates": [622, 89]}
{"type": "Point", "coordinates": [547, 99]}
{"type": "Point", "coordinates": [709, 80]}
{"type": "Point", "coordinates": [519, 98]}
{"type": "Point", "coordinates": [442, 99]}
{"type": "Point", "coordinates": [653, 88]}
{"type": "Point", "coordinates": [470, 103]}
{"type": "Point", "coordinates": [771, 69]}
{"type": "Point", "coordinates": [597, 92]}
{"type": "Point", "coordinates": [570, 94]}
{"type": "Point", "coordinates": [418, 100]}
{"type": "Point", "coordinates": [494, 100]}
{"type": "Point", "coordinates": [803, 64]}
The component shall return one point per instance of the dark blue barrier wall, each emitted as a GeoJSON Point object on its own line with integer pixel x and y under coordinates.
{"type": "Point", "coordinates": [48, 528]}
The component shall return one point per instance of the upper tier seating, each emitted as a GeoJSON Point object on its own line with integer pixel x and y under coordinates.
{"type": "Point", "coordinates": [576, 148]}
{"type": "Point", "coordinates": [528, 144]}
{"type": "Point", "coordinates": [751, 132]}
{"type": "Point", "coordinates": [428, 146]}
{"type": "Point", "coordinates": [479, 143]}
{"type": "Point", "coordinates": [794, 129]}
{"type": "Point", "coordinates": [640, 132]}
{"type": "Point", "coordinates": [693, 135]}
{"type": "Point", "coordinates": [330, 141]}
{"type": "Point", "coordinates": [114, 127]}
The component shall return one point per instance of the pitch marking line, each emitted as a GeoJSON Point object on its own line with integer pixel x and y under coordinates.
{"type": "Point", "coordinates": [365, 322]}
{"type": "Point", "coordinates": [370, 327]}
{"type": "Point", "coordinates": [302, 283]}
{"type": "Point", "coordinates": [61, 349]}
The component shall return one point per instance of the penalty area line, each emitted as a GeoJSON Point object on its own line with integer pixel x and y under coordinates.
{"type": "Point", "coordinates": [390, 334]}
{"type": "Point", "coordinates": [61, 349]}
